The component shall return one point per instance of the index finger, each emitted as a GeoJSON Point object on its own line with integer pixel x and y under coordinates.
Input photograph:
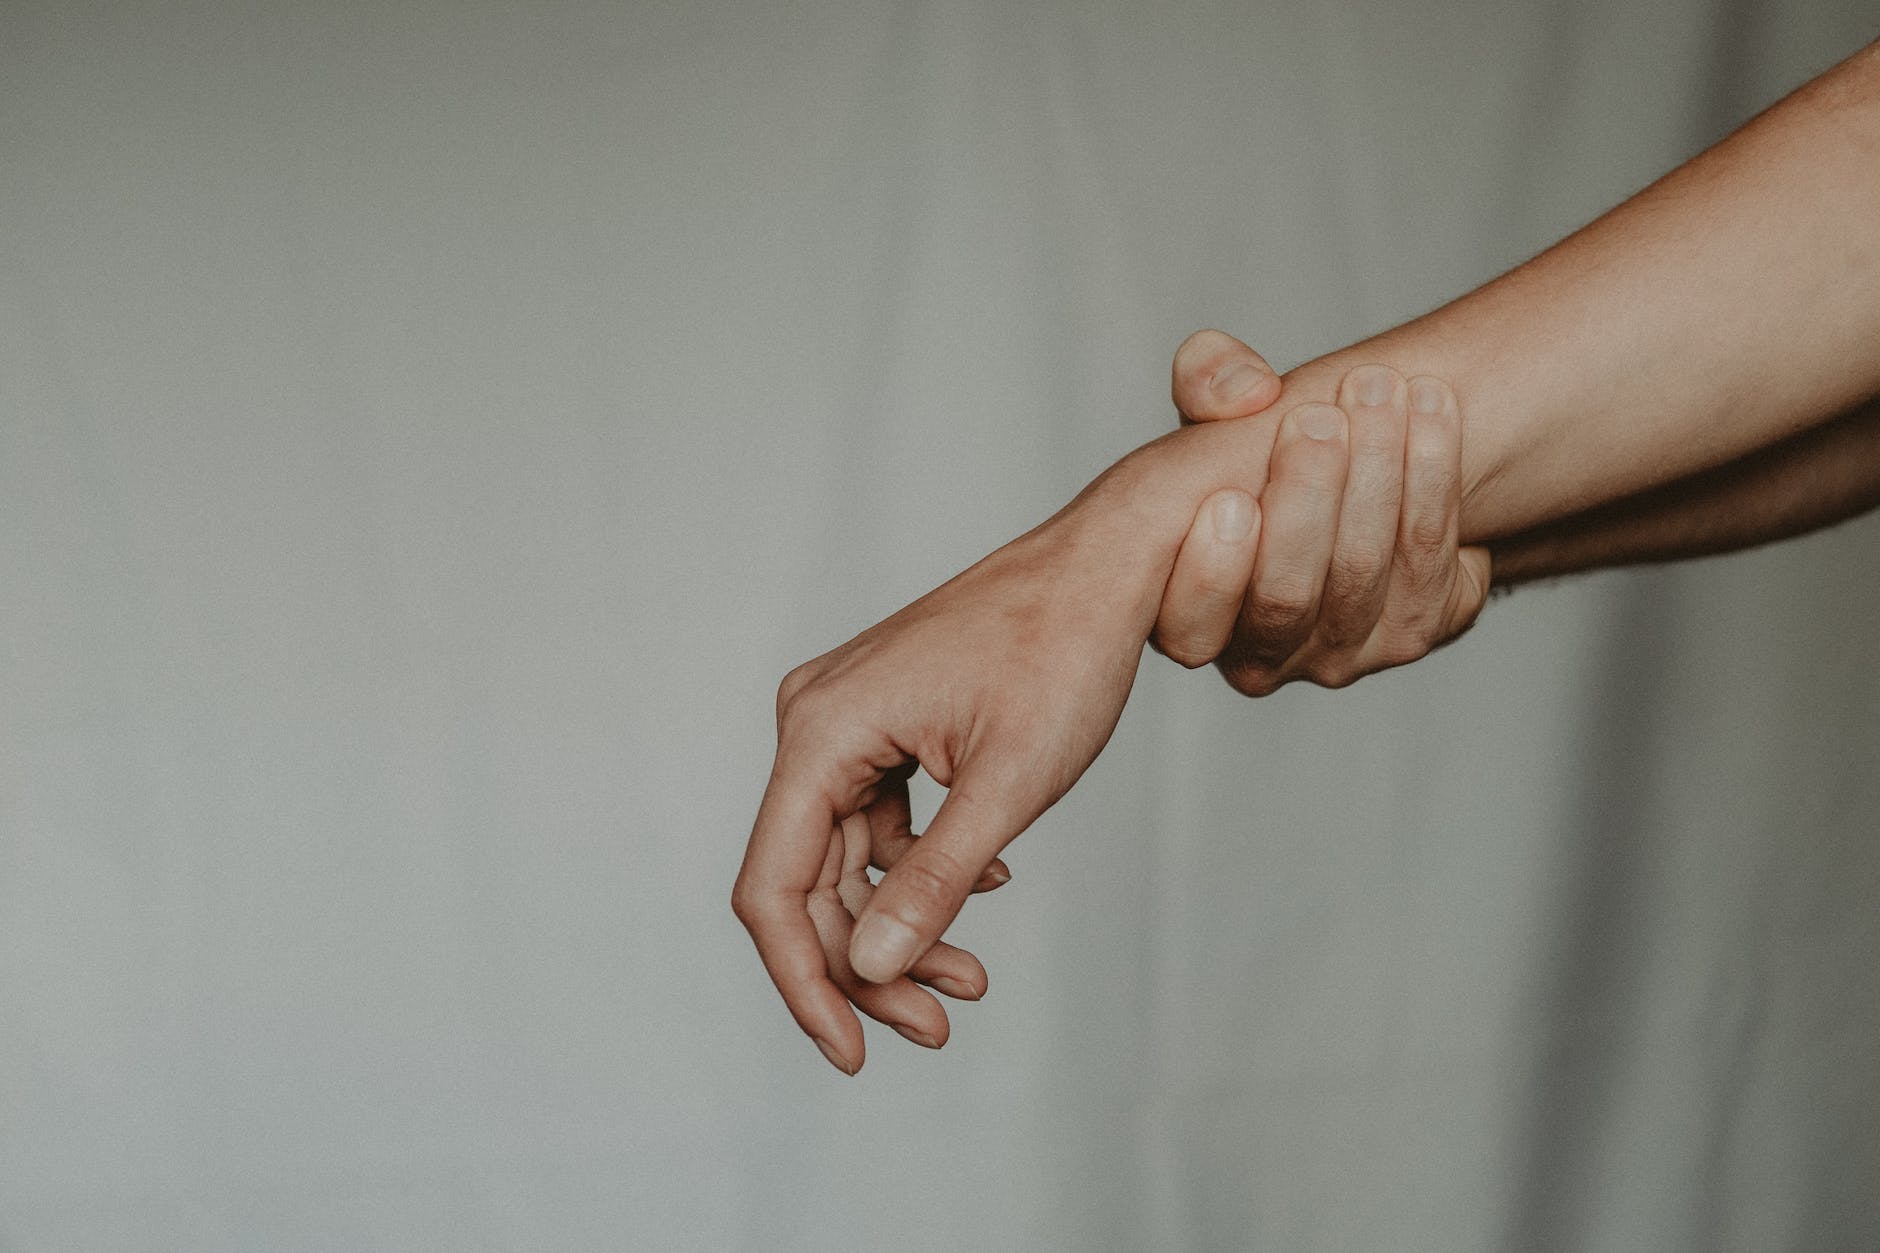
{"type": "Point", "coordinates": [783, 864]}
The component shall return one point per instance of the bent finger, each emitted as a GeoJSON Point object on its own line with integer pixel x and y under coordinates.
{"type": "Point", "coordinates": [790, 843]}
{"type": "Point", "coordinates": [890, 824]}
{"type": "Point", "coordinates": [945, 968]}
{"type": "Point", "coordinates": [891, 849]}
{"type": "Point", "coordinates": [1215, 376]}
{"type": "Point", "coordinates": [1299, 524]}
{"type": "Point", "coordinates": [1374, 397]}
{"type": "Point", "coordinates": [918, 899]}
{"type": "Point", "coordinates": [1202, 599]}
{"type": "Point", "coordinates": [950, 970]}
{"type": "Point", "coordinates": [1425, 566]}
{"type": "Point", "coordinates": [913, 1012]}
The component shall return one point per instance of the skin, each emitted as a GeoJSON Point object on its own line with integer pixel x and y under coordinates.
{"type": "Point", "coordinates": [1055, 624]}
{"type": "Point", "coordinates": [1804, 483]}
{"type": "Point", "coordinates": [1348, 564]}
{"type": "Point", "coordinates": [1675, 336]}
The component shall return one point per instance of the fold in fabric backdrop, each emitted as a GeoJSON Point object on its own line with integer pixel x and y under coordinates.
{"type": "Point", "coordinates": [428, 432]}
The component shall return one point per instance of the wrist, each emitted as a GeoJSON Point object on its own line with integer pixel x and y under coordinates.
{"type": "Point", "coordinates": [1133, 518]}
{"type": "Point", "coordinates": [1490, 430]}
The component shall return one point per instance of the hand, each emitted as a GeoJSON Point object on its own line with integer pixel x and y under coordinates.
{"type": "Point", "coordinates": [1003, 684]}
{"type": "Point", "coordinates": [1349, 563]}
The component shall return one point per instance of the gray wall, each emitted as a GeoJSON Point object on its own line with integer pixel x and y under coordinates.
{"type": "Point", "coordinates": [428, 432]}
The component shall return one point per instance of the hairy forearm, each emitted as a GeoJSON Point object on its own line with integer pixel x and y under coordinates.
{"type": "Point", "coordinates": [1806, 482]}
{"type": "Point", "coordinates": [1730, 305]}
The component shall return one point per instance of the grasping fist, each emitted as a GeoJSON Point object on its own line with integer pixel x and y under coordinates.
{"type": "Point", "coordinates": [1349, 562]}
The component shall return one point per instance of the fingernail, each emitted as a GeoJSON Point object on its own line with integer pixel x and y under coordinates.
{"type": "Point", "coordinates": [919, 1037]}
{"type": "Point", "coordinates": [835, 1058]}
{"type": "Point", "coordinates": [953, 988]}
{"type": "Point", "coordinates": [1319, 421]}
{"type": "Point", "coordinates": [1426, 395]}
{"type": "Point", "coordinates": [998, 876]}
{"type": "Point", "coordinates": [883, 947]}
{"type": "Point", "coordinates": [1372, 384]}
{"type": "Point", "coordinates": [1232, 517]}
{"type": "Point", "coordinates": [1237, 381]}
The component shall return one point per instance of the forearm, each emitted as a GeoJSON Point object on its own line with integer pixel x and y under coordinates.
{"type": "Point", "coordinates": [1732, 304]}
{"type": "Point", "coordinates": [1808, 481]}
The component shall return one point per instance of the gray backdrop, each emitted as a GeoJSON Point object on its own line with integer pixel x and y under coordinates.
{"type": "Point", "coordinates": [429, 431]}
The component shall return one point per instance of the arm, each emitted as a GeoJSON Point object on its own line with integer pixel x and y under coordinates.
{"type": "Point", "coordinates": [1004, 684]}
{"type": "Point", "coordinates": [1801, 484]}
{"type": "Point", "coordinates": [1806, 482]}
{"type": "Point", "coordinates": [1732, 304]}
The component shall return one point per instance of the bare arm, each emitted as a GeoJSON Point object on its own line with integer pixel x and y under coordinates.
{"type": "Point", "coordinates": [1808, 481]}
{"type": "Point", "coordinates": [1731, 304]}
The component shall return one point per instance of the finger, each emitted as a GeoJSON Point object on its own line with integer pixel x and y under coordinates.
{"type": "Point", "coordinates": [913, 1012]}
{"type": "Point", "coordinates": [1216, 376]}
{"type": "Point", "coordinates": [1376, 400]}
{"type": "Point", "coordinates": [1202, 599]}
{"type": "Point", "coordinates": [894, 848]}
{"type": "Point", "coordinates": [950, 970]}
{"type": "Point", "coordinates": [944, 968]}
{"type": "Point", "coordinates": [1299, 522]}
{"type": "Point", "coordinates": [783, 864]}
{"type": "Point", "coordinates": [1425, 566]}
{"type": "Point", "coordinates": [917, 900]}
{"type": "Point", "coordinates": [890, 821]}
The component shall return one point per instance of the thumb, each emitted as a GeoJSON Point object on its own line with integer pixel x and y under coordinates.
{"type": "Point", "coordinates": [918, 899]}
{"type": "Point", "coordinates": [1216, 376]}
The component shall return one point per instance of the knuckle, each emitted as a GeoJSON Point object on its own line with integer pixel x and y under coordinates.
{"type": "Point", "coordinates": [1345, 626]}
{"type": "Point", "coordinates": [1335, 673]}
{"type": "Point", "coordinates": [792, 687]}
{"type": "Point", "coordinates": [1249, 678]}
{"type": "Point", "coordinates": [1428, 534]}
{"type": "Point", "coordinates": [743, 903]}
{"type": "Point", "coordinates": [1351, 594]}
{"type": "Point", "coordinates": [1282, 603]}
{"type": "Point", "coordinates": [929, 884]}
{"type": "Point", "coordinates": [1339, 633]}
{"type": "Point", "coordinates": [1421, 573]}
{"type": "Point", "coordinates": [1187, 653]}
{"type": "Point", "coordinates": [811, 708]}
{"type": "Point", "coordinates": [1218, 583]}
{"type": "Point", "coordinates": [1355, 570]}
